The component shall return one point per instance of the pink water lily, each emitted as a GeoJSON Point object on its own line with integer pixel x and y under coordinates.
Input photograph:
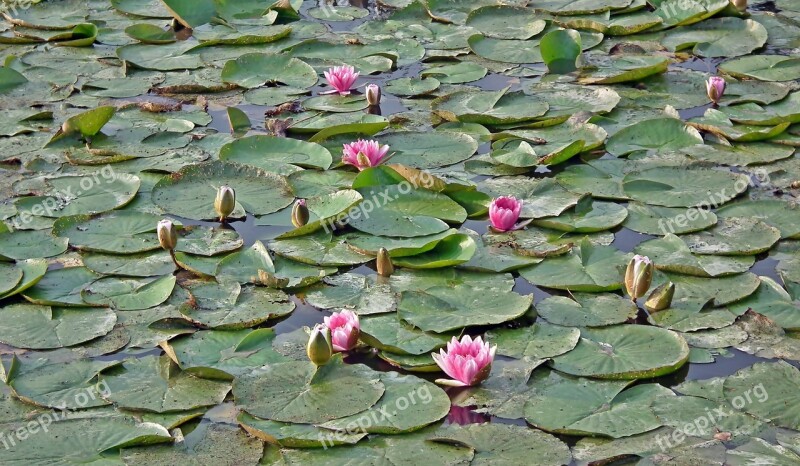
{"type": "Point", "coordinates": [467, 361]}
{"type": "Point", "coordinates": [504, 213]}
{"type": "Point", "coordinates": [364, 154]}
{"type": "Point", "coordinates": [715, 86]}
{"type": "Point", "coordinates": [341, 78]}
{"type": "Point", "coordinates": [345, 329]}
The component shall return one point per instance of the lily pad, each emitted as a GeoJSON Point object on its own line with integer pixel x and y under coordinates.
{"type": "Point", "coordinates": [42, 327]}
{"type": "Point", "coordinates": [297, 392]}
{"type": "Point", "coordinates": [439, 309]}
{"type": "Point", "coordinates": [624, 352]}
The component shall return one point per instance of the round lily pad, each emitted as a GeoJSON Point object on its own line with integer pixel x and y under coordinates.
{"type": "Point", "coordinates": [624, 352]}
{"type": "Point", "coordinates": [155, 384]}
{"type": "Point", "coordinates": [298, 392]}
{"type": "Point", "coordinates": [425, 404]}
{"type": "Point", "coordinates": [42, 327]}
{"type": "Point", "coordinates": [190, 192]}
{"type": "Point", "coordinates": [441, 309]}
{"type": "Point", "coordinates": [587, 310]}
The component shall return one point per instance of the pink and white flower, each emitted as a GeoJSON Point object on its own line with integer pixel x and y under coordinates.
{"type": "Point", "coordinates": [341, 78]}
{"type": "Point", "coordinates": [504, 213]}
{"type": "Point", "coordinates": [364, 154]}
{"type": "Point", "coordinates": [345, 329]}
{"type": "Point", "coordinates": [467, 361]}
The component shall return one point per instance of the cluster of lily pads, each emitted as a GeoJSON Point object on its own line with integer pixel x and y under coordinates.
{"type": "Point", "coordinates": [457, 187]}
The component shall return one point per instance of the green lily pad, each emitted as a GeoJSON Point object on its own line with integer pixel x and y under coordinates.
{"type": "Point", "coordinates": [538, 341]}
{"type": "Point", "coordinates": [61, 287]}
{"type": "Point", "coordinates": [489, 107]}
{"type": "Point", "coordinates": [494, 256]}
{"type": "Point", "coordinates": [655, 220]}
{"type": "Point", "coordinates": [778, 214]}
{"type": "Point", "coordinates": [319, 248]}
{"type": "Point", "coordinates": [718, 37]}
{"type": "Point", "coordinates": [672, 254]}
{"type": "Point", "coordinates": [500, 444]}
{"type": "Point", "coordinates": [589, 268]}
{"type": "Point", "coordinates": [224, 354]}
{"type": "Point", "coordinates": [778, 382]}
{"type": "Point", "coordinates": [52, 383]}
{"type": "Point", "coordinates": [129, 294]}
{"type": "Point", "coordinates": [104, 433]}
{"type": "Point", "coordinates": [265, 151]}
{"type": "Point", "coordinates": [430, 150]}
{"type": "Point", "coordinates": [439, 310]}
{"type": "Point", "coordinates": [353, 292]}
{"type": "Point", "coordinates": [42, 327]}
{"type": "Point", "coordinates": [734, 236]}
{"type": "Point", "coordinates": [298, 392]}
{"type": "Point", "coordinates": [587, 310]}
{"type": "Point", "coordinates": [295, 435]}
{"type": "Point", "coordinates": [452, 250]}
{"type": "Point", "coordinates": [201, 446]}
{"type": "Point", "coordinates": [773, 302]}
{"type": "Point", "coordinates": [388, 333]}
{"type": "Point", "coordinates": [624, 352]}
{"type": "Point", "coordinates": [506, 22]}
{"type": "Point", "coordinates": [680, 187]}
{"type": "Point", "coordinates": [254, 70]}
{"type": "Point", "coordinates": [613, 69]}
{"type": "Point", "coordinates": [101, 196]}
{"type": "Point", "coordinates": [145, 264]}
{"type": "Point", "coordinates": [587, 217]}
{"type": "Point", "coordinates": [32, 271]}
{"type": "Point", "coordinates": [124, 232]}
{"type": "Point", "coordinates": [763, 67]}
{"type": "Point", "coordinates": [425, 404]}
{"type": "Point", "coordinates": [190, 192]}
{"type": "Point", "coordinates": [156, 384]}
{"type": "Point", "coordinates": [228, 306]}
{"type": "Point", "coordinates": [580, 406]}
{"type": "Point", "coordinates": [658, 135]}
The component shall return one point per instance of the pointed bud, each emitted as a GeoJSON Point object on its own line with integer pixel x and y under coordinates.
{"type": "Point", "coordinates": [300, 213]}
{"type": "Point", "coordinates": [638, 276]}
{"type": "Point", "coordinates": [167, 236]}
{"type": "Point", "coordinates": [373, 94]}
{"type": "Point", "coordinates": [319, 348]}
{"type": "Point", "coordinates": [225, 202]}
{"type": "Point", "coordinates": [715, 87]}
{"type": "Point", "coordinates": [740, 5]}
{"type": "Point", "coordinates": [385, 266]}
{"type": "Point", "coordinates": [660, 298]}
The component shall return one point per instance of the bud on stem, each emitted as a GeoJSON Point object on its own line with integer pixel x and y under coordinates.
{"type": "Point", "coordinates": [384, 263]}
{"type": "Point", "coordinates": [300, 213]}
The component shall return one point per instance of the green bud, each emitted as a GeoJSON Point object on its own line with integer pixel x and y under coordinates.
{"type": "Point", "coordinates": [319, 348]}
{"type": "Point", "coordinates": [300, 213]}
{"type": "Point", "coordinates": [384, 263]}
{"type": "Point", "coordinates": [660, 298]}
{"type": "Point", "coordinates": [225, 202]}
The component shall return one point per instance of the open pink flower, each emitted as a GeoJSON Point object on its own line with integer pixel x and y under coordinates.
{"type": "Point", "coordinates": [467, 361]}
{"type": "Point", "coordinates": [345, 329]}
{"type": "Point", "coordinates": [504, 213]}
{"type": "Point", "coordinates": [341, 78]}
{"type": "Point", "coordinates": [715, 86]}
{"type": "Point", "coordinates": [364, 154]}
